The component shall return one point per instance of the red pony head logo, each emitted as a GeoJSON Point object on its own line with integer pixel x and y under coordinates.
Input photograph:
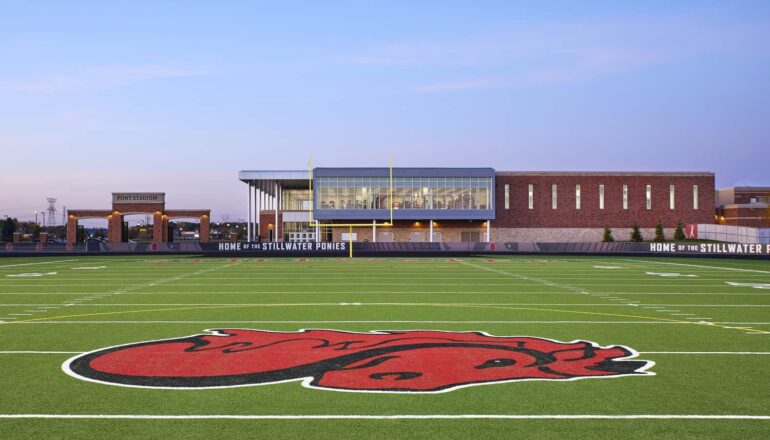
{"type": "Point", "coordinates": [386, 361]}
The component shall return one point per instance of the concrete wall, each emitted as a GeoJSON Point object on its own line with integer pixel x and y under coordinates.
{"type": "Point", "coordinates": [734, 234]}
{"type": "Point", "coordinates": [570, 235]}
{"type": "Point", "coordinates": [454, 234]}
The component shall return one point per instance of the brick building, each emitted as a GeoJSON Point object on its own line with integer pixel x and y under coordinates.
{"type": "Point", "coordinates": [743, 206]}
{"type": "Point", "coordinates": [471, 204]}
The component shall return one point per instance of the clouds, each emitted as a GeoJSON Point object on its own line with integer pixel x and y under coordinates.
{"type": "Point", "coordinates": [559, 52]}
{"type": "Point", "coordinates": [95, 78]}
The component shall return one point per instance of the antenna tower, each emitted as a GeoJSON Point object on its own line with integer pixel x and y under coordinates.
{"type": "Point", "coordinates": [51, 211]}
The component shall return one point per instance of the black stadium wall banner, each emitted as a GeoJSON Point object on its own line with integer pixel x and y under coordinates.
{"type": "Point", "coordinates": [753, 250]}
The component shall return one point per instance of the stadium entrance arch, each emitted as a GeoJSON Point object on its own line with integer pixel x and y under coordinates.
{"type": "Point", "coordinates": [137, 203]}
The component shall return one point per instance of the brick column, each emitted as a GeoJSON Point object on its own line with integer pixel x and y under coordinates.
{"type": "Point", "coordinates": [267, 222]}
{"type": "Point", "coordinates": [203, 231]}
{"type": "Point", "coordinates": [157, 227]}
{"type": "Point", "coordinates": [72, 229]}
{"type": "Point", "coordinates": [44, 238]}
{"type": "Point", "coordinates": [114, 228]}
{"type": "Point", "coordinates": [165, 228]}
{"type": "Point", "coordinates": [16, 237]}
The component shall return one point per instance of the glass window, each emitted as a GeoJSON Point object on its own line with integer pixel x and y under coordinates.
{"type": "Point", "coordinates": [601, 196]}
{"type": "Point", "coordinates": [648, 197]}
{"type": "Point", "coordinates": [695, 197]}
{"type": "Point", "coordinates": [484, 202]}
{"type": "Point", "coordinates": [507, 196]}
{"type": "Point", "coordinates": [577, 196]}
{"type": "Point", "coordinates": [359, 193]}
{"type": "Point", "coordinates": [531, 196]}
{"type": "Point", "coordinates": [671, 196]}
{"type": "Point", "coordinates": [554, 204]}
{"type": "Point", "coordinates": [625, 196]}
{"type": "Point", "coordinates": [296, 199]}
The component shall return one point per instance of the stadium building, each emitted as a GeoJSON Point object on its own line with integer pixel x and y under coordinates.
{"type": "Point", "coordinates": [470, 204]}
{"type": "Point", "coordinates": [743, 206]}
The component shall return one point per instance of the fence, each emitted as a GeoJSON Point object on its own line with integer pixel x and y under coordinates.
{"type": "Point", "coordinates": [732, 234]}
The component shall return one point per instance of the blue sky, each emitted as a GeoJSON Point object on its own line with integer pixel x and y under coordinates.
{"type": "Point", "coordinates": [97, 97]}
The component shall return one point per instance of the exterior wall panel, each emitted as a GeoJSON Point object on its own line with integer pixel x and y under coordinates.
{"type": "Point", "coordinates": [613, 215]}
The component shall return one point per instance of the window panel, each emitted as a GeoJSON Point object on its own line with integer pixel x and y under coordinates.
{"type": "Point", "coordinates": [531, 196]}
{"type": "Point", "coordinates": [577, 196]}
{"type": "Point", "coordinates": [554, 194]}
{"type": "Point", "coordinates": [695, 197]}
{"type": "Point", "coordinates": [671, 197]}
{"type": "Point", "coordinates": [648, 196]}
{"type": "Point", "coordinates": [601, 196]}
{"type": "Point", "coordinates": [625, 196]}
{"type": "Point", "coordinates": [507, 196]}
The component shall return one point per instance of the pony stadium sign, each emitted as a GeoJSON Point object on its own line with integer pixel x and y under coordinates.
{"type": "Point", "coordinates": [138, 197]}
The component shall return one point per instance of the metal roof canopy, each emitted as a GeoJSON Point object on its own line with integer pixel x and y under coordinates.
{"type": "Point", "coordinates": [404, 172]}
{"type": "Point", "coordinates": [287, 179]}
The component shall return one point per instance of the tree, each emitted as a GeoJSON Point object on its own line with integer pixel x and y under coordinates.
{"type": "Point", "coordinates": [636, 234]}
{"type": "Point", "coordinates": [608, 238]}
{"type": "Point", "coordinates": [679, 232]}
{"type": "Point", "coordinates": [9, 227]}
{"type": "Point", "coordinates": [36, 231]}
{"type": "Point", "coordinates": [659, 235]}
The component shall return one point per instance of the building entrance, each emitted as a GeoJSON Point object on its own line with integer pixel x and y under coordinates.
{"type": "Point", "coordinates": [151, 204]}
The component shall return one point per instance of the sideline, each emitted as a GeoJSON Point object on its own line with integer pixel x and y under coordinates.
{"type": "Point", "coordinates": [389, 417]}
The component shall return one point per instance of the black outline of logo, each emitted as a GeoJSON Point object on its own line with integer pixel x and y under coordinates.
{"type": "Point", "coordinates": [78, 366]}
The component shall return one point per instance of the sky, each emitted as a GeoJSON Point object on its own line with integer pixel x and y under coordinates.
{"type": "Point", "coordinates": [177, 97]}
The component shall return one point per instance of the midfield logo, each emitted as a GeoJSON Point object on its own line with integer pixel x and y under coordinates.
{"type": "Point", "coordinates": [380, 361]}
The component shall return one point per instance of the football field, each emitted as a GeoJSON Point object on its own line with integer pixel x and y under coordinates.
{"type": "Point", "coordinates": [471, 347]}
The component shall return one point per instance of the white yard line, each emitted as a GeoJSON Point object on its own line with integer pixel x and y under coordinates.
{"type": "Point", "coordinates": [101, 295]}
{"type": "Point", "coordinates": [40, 352]}
{"type": "Point", "coordinates": [295, 417]}
{"type": "Point", "coordinates": [700, 266]}
{"type": "Point", "coordinates": [382, 322]}
{"type": "Point", "coordinates": [281, 292]}
{"type": "Point", "coordinates": [312, 283]}
{"type": "Point", "coordinates": [368, 292]}
{"type": "Point", "coordinates": [36, 263]}
{"type": "Point", "coordinates": [446, 303]}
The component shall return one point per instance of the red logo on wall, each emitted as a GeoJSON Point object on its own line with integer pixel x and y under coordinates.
{"type": "Point", "coordinates": [383, 361]}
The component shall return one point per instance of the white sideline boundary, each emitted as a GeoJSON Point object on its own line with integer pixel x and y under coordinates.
{"type": "Point", "coordinates": [450, 303]}
{"type": "Point", "coordinates": [393, 417]}
{"type": "Point", "coordinates": [392, 292]}
{"type": "Point", "coordinates": [213, 321]}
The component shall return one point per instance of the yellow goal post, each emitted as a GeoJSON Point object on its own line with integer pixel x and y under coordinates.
{"type": "Point", "coordinates": [350, 226]}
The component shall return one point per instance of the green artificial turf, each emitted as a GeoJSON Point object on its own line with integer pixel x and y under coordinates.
{"type": "Point", "coordinates": [717, 364]}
